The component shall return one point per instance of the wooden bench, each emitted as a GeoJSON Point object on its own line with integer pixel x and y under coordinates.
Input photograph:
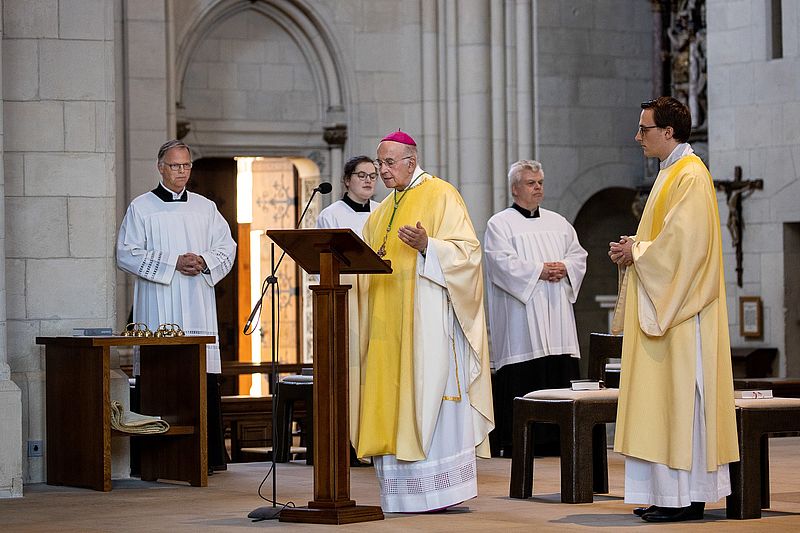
{"type": "Point", "coordinates": [756, 422]}
{"type": "Point", "coordinates": [581, 417]}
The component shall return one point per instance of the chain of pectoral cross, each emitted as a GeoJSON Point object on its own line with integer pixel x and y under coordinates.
{"type": "Point", "coordinates": [737, 190]}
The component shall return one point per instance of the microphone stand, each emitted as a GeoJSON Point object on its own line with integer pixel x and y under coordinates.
{"type": "Point", "coordinates": [273, 512]}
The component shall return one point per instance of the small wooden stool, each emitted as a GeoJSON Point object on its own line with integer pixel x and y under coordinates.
{"type": "Point", "coordinates": [581, 417]}
{"type": "Point", "coordinates": [757, 421]}
{"type": "Point", "coordinates": [289, 390]}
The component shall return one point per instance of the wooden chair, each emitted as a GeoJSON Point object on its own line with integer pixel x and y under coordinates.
{"type": "Point", "coordinates": [581, 417]}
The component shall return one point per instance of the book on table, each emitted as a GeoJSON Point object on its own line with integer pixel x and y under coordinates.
{"type": "Point", "coordinates": [587, 384]}
{"type": "Point", "coordinates": [750, 394]}
{"type": "Point", "coordinates": [91, 332]}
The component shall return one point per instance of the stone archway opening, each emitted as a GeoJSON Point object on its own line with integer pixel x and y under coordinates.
{"type": "Point", "coordinates": [603, 218]}
{"type": "Point", "coordinates": [255, 194]}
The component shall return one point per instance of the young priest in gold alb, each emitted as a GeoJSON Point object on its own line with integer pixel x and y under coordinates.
{"type": "Point", "coordinates": [675, 422]}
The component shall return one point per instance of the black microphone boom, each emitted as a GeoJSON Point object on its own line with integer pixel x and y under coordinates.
{"type": "Point", "coordinates": [324, 187]}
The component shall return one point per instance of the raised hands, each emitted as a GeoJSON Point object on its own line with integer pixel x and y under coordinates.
{"type": "Point", "coordinates": [414, 236]}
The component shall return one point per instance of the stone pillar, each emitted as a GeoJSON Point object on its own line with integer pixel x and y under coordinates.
{"type": "Point", "coordinates": [58, 111]}
{"type": "Point", "coordinates": [335, 136]}
{"type": "Point", "coordinates": [524, 75]}
{"type": "Point", "coordinates": [452, 148]}
{"type": "Point", "coordinates": [500, 192]}
{"type": "Point", "coordinates": [431, 138]}
{"type": "Point", "coordinates": [474, 108]}
{"type": "Point", "coordinates": [147, 115]}
{"type": "Point", "coordinates": [10, 394]}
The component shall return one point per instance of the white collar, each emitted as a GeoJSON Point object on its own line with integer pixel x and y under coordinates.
{"type": "Point", "coordinates": [417, 177]}
{"type": "Point", "coordinates": [682, 150]}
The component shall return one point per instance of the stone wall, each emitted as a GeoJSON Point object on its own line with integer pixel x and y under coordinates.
{"type": "Point", "coordinates": [10, 398]}
{"type": "Point", "coordinates": [754, 112]}
{"type": "Point", "coordinates": [593, 70]}
{"type": "Point", "coordinates": [58, 113]}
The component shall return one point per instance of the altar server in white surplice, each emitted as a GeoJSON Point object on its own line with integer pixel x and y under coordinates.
{"type": "Point", "coordinates": [360, 176]}
{"type": "Point", "coordinates": [534, 269]}
{"type": "Point", "coordinates": [178, 246]}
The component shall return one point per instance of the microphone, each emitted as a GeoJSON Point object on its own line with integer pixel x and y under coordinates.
{"type": "Point", "coordinates": [323, 188]}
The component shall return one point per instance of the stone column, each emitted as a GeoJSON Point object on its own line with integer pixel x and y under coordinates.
{"type": "Point", "coordinates": [500, 192]}
{"type": "Point", "coordinates": [335, 136]}
{"type": "Point", "coordinates": [10, 394]}
{"type": "Point", "coordinates": [524, 76]}
{"type": "Point", "coordinates": [431, 138]}
{"type": "Point", "coordinates": [474, 109]}
{"type": "Point", "coordinates": [147, 112]}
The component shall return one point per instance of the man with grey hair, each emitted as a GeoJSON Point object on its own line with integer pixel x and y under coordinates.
{"type": "Point", "coordinates": [534, 269]}
{"type": "Point", "coordinates": [178, 246]}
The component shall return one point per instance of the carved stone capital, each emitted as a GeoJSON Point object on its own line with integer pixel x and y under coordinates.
{"type": "Point", "coordinates": [335, 135]}
{"type": "Point", "coordinates": [183, 127]}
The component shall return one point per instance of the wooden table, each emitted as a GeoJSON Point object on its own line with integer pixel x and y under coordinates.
{"type": "Point", "coordinates": [78, 409]}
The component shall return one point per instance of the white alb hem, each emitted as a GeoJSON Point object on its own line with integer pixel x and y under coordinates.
{"type": "Point", "coordinates": [657, 484]}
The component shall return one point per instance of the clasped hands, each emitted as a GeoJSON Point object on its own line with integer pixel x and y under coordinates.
{"type": "Point", "coordinates": [553, 271]}
{"type": "Point", "coordinates": [190, 264]}
{"type": "Point", "coordinates": [414, 236]}
{"type": "Point", "coordinates": [620, 252]}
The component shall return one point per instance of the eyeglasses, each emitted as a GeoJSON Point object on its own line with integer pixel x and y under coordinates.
{"type": "Point", "coordinates": [643, 129]}
{"type": "Point", "coordinates": [390, 162]}
{"type": "Point", "coordinates": [175, 167]}
{"type": "Point", "coordinates": [363, 176]}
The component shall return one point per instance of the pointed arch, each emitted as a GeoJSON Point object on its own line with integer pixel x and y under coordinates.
{"type": "Point", "coordinates": [299, 19]}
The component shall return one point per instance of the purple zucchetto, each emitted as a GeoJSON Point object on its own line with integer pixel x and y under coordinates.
{"type": "Point", "coordinates": [399, 137]}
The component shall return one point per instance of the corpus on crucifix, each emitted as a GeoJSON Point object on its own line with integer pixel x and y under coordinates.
{"type": "Point", "coordinates": [737, 190]}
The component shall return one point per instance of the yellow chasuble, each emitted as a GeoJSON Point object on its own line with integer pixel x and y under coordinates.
{"type": "Point", "coordinates": [677, 274]}
{"type": "Point", "coordinates": [398, 399]}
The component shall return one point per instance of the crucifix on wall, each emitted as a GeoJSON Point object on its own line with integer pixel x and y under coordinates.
{"type": "Point", "coordinates": [737, 190]}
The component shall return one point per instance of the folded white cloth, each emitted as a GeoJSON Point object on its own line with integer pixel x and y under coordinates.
{"type": "Point", "coordinates": [130, 422]}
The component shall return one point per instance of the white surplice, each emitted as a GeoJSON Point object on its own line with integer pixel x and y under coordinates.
{"type": "Point", "coordinates": [152, 236]}
{"type": "Point", "coordinates": [528, 317]}
{"type": "Point", "coordinates": [341, 215]}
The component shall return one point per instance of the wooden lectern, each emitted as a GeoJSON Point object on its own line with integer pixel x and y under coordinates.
{"type": "Point", "coordinates": [329, 253]}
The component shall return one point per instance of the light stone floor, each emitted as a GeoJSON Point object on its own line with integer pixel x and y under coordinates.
{"type": "Point", "coordinates": [223, 505]}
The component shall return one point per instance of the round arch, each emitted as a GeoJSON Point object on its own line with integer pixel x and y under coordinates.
{"type": "Point", "coordinates": [593, 180]}
{"type": "Point", "coordinates": [605, 216]}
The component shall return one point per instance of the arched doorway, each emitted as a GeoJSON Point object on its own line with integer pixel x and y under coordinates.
{"type": "Point", "coordinates": [261, 81]}
{"type": "Point", "coordinates": [603, 218]}
{"type": "Point", "coordinates": [255, 194]}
